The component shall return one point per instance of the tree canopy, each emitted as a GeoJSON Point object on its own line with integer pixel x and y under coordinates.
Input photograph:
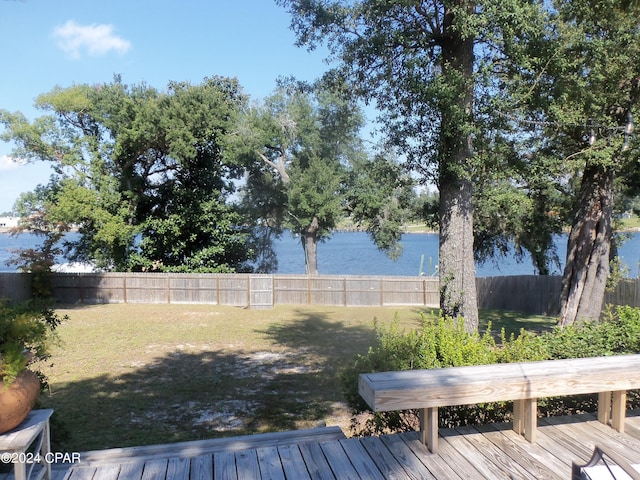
{"type": "Point", "coordinates": [427, 66]}
{"type": "Point", "coordinates": [142, 174]}
{"type": "Point", "coordinates": [577, 89]}
{"type": "Point", "coordinates": [516, 110]}
{"type": "Point", "coordinates": [306, 139]}
{"type": "Point", "coordinates": [493, 101]}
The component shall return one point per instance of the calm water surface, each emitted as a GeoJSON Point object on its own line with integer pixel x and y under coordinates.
{"type": "Point", "coordinates": [353, 253]}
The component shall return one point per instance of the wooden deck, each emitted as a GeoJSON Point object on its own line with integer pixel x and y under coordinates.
{"type": "Point", "coordinates": [487, 452]}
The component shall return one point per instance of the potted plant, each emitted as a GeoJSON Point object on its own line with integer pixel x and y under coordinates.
{"type": "Point", "coordinates": [27, 330]}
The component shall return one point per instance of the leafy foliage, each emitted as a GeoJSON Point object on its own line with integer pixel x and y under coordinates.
{"type": "Point", "coordinates": [144, 175]}
{"type": "Point", "coordinates": [26, 333]}
{"type": "Point", "coordinates": [380, 196]}
{"type": "Point", "coordinates": [38, 261]}
{"type": "Point", "coordinates": [443, 342]}
{"type": "Point", "coordinates": [309, 156]}
{"type": "Point", "coordinates": [570, 92]}
{"type": "Point", "coordinates": [427, 66]}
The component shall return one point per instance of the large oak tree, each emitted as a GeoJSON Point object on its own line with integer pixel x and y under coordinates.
{"type": "Point", "coordinates": [422, 63]}
{"type": "Point", "coordinates": [143, 174]}
{"type": "Point", "coordinates": [312, 168]}
{"type": "Point", "coordinates": [579, 88]}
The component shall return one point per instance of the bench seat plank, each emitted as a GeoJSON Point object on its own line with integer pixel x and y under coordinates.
{"type": "Point", "coordinates": [402, 390]}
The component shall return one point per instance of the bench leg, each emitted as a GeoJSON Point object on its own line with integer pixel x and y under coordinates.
{"type": "Point", "coordinates": [604, 407]}
{"type": "Point", "coordinates": [525, 418]}
{"type": "Point", "coordinates": [518, 417]}
{"type": "Point", "coordinates": [531, 419]}
{"type": "Point", "coordinates": [612, 406]}
{"type": "Point", "coordinates": [619, 409]}
{"type": "Point", "coordinates": [429, 428]}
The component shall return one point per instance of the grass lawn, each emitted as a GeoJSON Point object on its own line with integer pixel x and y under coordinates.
{"type": "Point", "coordinates": [132, 374]}
{"type": "Point", "coordinates": [631, 223]}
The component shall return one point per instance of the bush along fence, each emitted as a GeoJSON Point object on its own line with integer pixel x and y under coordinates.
{"type": "Point", "coordinates": [530, 294]}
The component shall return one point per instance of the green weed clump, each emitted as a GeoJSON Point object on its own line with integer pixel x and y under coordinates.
{"type": "Point", "coordinates": [443, 342]}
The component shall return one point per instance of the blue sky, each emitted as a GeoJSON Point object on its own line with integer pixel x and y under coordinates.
{"type": "Point", "coordinates": [48, 43]}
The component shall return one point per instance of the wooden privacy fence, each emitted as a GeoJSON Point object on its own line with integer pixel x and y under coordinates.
{"type": "Point", "coordinates": [246, 290]}
{"type": "Point", "coordinates": [530, 294]}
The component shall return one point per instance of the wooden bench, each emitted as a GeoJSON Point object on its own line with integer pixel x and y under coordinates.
{"type": "Point", "coordinates": [522, 383]}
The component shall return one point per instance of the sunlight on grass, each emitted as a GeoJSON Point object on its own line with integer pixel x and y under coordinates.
{"type": "Point", "coordinates": [134, 374]}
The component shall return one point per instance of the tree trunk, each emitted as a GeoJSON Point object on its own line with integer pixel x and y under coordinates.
{"type": "Point", "coordinates": [588, 248]}
{"type": "Point", "coordinates": [310, 247]}
{"type": "Point", "coordinates": [456, 262]}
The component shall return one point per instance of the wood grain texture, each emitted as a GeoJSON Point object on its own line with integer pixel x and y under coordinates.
{"type": "Point", "coordinates": [198, 447]}
{"type": "Point", "coordinates": [247, 465]}
{"type": "Point", "coordinates": [404, 390]}
{"type": "Point", "coordinates": [488, 452]}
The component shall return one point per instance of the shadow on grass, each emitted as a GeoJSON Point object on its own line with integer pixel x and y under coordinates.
{"type": "Point", "coordinates": [193, 393]}
{"type": "Point", "coordinates": [314, 334]}
{"type": "Point", "coordinates": [513, 322]}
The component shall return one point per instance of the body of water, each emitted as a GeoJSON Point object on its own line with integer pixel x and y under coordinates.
{"type": "Point", "coordinates": [353, 253]}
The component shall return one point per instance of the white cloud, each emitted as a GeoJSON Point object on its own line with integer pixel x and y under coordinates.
{"type": "Point", "coordinates": [95, 40]}
{"type": "Point", "coordinates": [8, 163]}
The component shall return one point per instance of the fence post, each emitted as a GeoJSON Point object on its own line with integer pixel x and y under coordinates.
{"type": "Point", "coordinates": [424, 292]}
{"type": "Point", "coordinates": [248, 291]}
{"type": "Point", "coordinates": [344, 290]}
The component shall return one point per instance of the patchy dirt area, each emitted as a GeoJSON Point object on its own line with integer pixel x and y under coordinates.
{"type": "Point", "coordinates": [194, 390]}
{"type": "Point", "coordinates": [143, 374]}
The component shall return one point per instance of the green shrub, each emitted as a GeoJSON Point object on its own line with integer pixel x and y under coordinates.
{"type": "Point", "coordinates": [26, 331]}
{"type": "Point", "coordinates": [618, 334]}
{"type": "Point", "coordinates": [526, 347]}
{"type": "Point", "coordinates": [441, 342]}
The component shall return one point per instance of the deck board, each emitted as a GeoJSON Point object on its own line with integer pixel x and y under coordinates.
{"type": "Point", "coordinates": [455, 459]}
{"type": "Point", "coordinates": [338, 459]}
{"type": "Point", "coordinates": [435, 463]}
{"type": "Point", "coordinates": [178, 468]}
{"type": "Point", "coordinates": [107, 472]}
{"type": "Point", "coordinates": [316, 462]}
{"type": "Point", "coordinates": [541, 461]}
{"type": "Point", "coordinates": [389, 465]}
{"type": "Point", "coordinates": [154, 469]}
{"type": "Point", "coordinates": [412, 465]}
{"type": "Point", "coordinates": [224, 466]}
{"type": "Point", "coordinates": [292, 462]}
{"type": "Point", "coordinates": [485, 464]}
{"type": "Point", "coordinates": [133, 470]}
{"type": "Point", "coordinates": [269, 461]}
{"type": "Point", "coordinates": [360, 459]}
{"type": "Point", "coordinates": [486, 452]}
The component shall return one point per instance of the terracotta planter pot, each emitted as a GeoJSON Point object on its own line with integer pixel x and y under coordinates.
{"type": "Point", "coordinates": [17, 400]}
